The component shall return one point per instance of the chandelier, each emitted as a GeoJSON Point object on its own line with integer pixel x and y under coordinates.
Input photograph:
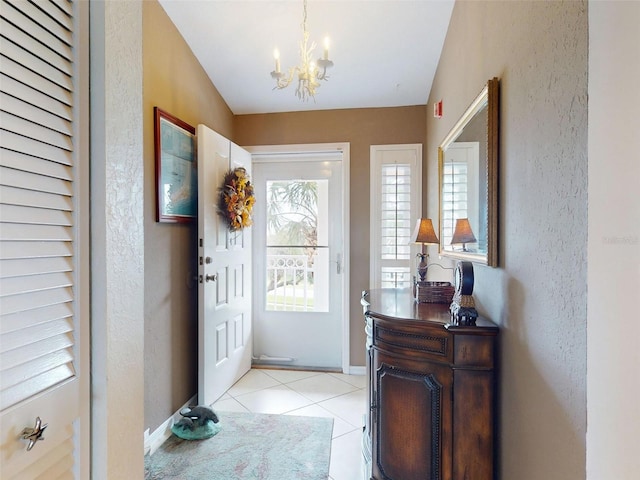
{"type": "Point", "coordinates": [309, 73]}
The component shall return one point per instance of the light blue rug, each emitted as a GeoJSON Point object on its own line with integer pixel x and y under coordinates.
{"type": "Point", "coordinates": [250, 446]}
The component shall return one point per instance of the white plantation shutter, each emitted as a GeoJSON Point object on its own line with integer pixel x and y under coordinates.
{"type": "Point", "coordinates": [460, 174]}
{"type": "Point", "coordinates": [395, 225]}
{"type": "Point", "coordinates": [395, 228]}
{"type": "Point", "coordinates": [39, 158]}
{"type": "Point", "coordinates": [396, 178]}
{"type": "Point", "coordinates": [454, 197]}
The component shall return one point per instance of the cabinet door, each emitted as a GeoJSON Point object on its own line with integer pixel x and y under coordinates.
{"type": "Point", "coordinates": [411, 420]}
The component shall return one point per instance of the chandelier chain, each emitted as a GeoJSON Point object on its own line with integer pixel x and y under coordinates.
{"type": "Point", "coordinates": [304, 16]}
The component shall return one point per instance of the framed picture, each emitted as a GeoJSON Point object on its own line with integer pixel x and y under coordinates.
{"type": "Point", "coordinates": [176, 174]}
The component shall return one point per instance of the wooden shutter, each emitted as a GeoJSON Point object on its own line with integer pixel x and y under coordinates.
{"type": "Point", "coordinates": [39, 156]}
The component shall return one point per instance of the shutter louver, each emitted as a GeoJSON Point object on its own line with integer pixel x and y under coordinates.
{"type": "Point", "coordinates": [36, 205]}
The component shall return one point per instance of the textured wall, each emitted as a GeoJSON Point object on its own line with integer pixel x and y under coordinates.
{"type": "Point", "coordinates": [117, 236]}
{"type": "Point", "coordinates": [613, 382]}
{"type": "Point", "coordinates": [362, 128]}
{"type": "Point", "coordinates": [538, 294]}
{"type": "Point", "coordinates": [175, 82]}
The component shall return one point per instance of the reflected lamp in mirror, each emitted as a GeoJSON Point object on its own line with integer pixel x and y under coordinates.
{"type": "Point", "coordinates": [424, 234]}
{"type": "Point", "coordinates": [463, 234]}
{"type": "Point", "coordinates": [468, 177]}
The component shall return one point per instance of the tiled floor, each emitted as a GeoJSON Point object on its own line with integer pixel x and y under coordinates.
{"type": "Point", "coordinates": [314, 394]}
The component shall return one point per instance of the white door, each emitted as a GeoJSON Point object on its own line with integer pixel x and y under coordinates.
{"type": "Point", "coordinates": [224, 274]}
{"type": "Point", "coordinates": [44, 279]}
{"type": "Point", "coordinates": [298, 259]}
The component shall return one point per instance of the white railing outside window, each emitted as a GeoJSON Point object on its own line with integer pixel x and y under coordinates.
{"type": "Point", "coordinates": [290, 283]}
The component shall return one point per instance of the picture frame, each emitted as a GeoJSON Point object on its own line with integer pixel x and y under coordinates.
{"type": "Point", "coordinates": [176, 169]}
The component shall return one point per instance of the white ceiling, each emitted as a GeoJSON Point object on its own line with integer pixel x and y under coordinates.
{"type": "Point", "coordinates": [385, 52]}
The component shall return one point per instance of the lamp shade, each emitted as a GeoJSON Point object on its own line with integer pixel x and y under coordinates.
{"type": "Point", "coordinates": [424, 232]}
{"type": "Point", "coordinates": [463, 232]}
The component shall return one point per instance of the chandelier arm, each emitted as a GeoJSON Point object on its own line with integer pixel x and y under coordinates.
{"type": "Point", "coordinates": [283, 81]}
{"type": "Point", "coordinates": [322, 75]}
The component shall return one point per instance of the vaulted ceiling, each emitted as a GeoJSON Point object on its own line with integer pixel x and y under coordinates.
{"type": "Point", "coordinates": [385, 52]}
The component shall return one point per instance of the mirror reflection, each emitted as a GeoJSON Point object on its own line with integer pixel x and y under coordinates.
{"type": "Point", "coordinates": [468, 184]}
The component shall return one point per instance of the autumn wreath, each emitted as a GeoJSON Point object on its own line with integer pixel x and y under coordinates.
{"type": "Point", "coordinates": [236, 199]}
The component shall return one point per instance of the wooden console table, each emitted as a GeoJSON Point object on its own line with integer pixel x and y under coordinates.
{"type": "Point", "coordinates": [431, 391]}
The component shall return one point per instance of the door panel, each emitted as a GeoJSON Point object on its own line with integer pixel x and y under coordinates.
{"type": "Point", "coordinates": [224, 294]}
{"type": "Point", "coordinates": [298, 257]}
{"type": "Point", "coordinates": [410, 424]}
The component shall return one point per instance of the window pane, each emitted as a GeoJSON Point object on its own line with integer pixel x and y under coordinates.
{"type": "Point", "coordinates": [297, 267]}
{"type": "Point", "coordinates": [292, 212]}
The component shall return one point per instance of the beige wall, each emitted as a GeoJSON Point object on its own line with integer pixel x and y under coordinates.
{"type": "Point", "coordinates": [538, 294]}
{"type": "Point", "coordinates": [361, 128]}
{"type": "Point", "coordinates": [175, 82]}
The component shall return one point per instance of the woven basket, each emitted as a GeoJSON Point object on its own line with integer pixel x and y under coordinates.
{"type": "Point", "coordinates": [434, 292]}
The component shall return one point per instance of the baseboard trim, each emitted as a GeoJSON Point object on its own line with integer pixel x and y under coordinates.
{"type": "Point", "coordinates": [357, 370]}
{"type": "Point", "coordinates": [153, 441]}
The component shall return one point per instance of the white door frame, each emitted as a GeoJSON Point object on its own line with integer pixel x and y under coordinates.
{"type": "Point", "coordinates": [328, 147]}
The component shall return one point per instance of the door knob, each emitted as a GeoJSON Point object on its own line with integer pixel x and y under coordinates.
{"type": "Point", "coordinates": [210, 278]}
{"type": "Point", "coordinates": [34, 434]}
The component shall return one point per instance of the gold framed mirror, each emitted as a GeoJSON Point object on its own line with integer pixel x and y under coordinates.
{"type": "Point", "coordinates": [468, 177]}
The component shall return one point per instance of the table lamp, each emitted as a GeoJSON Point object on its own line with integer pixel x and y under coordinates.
{"type": "Point", "coordinates": [463, 233]}
{"type": "Point", "coordinates": [424, 234]}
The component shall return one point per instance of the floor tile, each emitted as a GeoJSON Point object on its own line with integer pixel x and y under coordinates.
{"type": "Point", "coordinates": [350, 407]}
{"type": "Point", "coordinates": [321, 387]}
{"type": "Point", "coordinates": [288, 376]}
{"type": "Point", "coordinates": [228, 405]}
{"type": "Point", "coordinates": [278, 399]}
{"type": "Point", "coordinates": [346, 457]}
{"type": "Point", "coordinates": [340, 426]}
{"type": "Point", "coordinates": [359, 381]}
{"type": "Point", "coordinates": [253, 381]}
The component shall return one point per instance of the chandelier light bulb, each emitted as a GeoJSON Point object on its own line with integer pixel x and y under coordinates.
{"type": "Point", "coordinates": [276, 55]}
{"type": "Point", "coordinates": [326, 48]}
